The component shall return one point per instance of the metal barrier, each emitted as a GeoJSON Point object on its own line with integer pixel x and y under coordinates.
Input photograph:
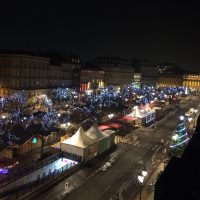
{"type": "Point", "coordinates": [20, 172]}
{"type": "Point", "coordinates": [38, 184]}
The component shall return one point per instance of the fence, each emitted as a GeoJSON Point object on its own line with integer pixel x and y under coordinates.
{"type": "Point", "coordinates": [20, 172]}
{"type": "Point", "coordinates": [33, 188]}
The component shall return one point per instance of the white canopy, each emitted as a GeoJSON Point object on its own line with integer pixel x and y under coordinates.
{"type": "Point", "coordinates": [80, 139]}
{"type": "Point", "coordinates": [140, 113]}
{"type": "Point", "coordinates": [109, 132]}
{"type": "Point", "coordinates": [156, 108]}
{"type": "Point", "coordinates": [94, 133]}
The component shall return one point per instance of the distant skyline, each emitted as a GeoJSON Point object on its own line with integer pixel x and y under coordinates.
{"type": "Point", "coordinates": [167, 32]}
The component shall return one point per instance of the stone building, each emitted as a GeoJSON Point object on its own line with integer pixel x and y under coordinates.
{"type": "Point", "coordinates": [117, 71]}
{"type": "Point", "coordinates": [36, 73]}
{"type": "Point", "coordinates": [91, 77]}
{"type": "Point", "coordinates": [192, 80]}
{"type": "Point", "coordinates": [146, 73]}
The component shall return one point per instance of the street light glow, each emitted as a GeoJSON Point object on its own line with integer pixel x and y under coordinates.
{"type": "Point", "coordinates": [111, 116]}
{"type": "Point", "coordinates": [182, 117]}
{"type": "Point", "coordinates": [175, 137]}
{"type": "Point", "coordinates": [144, 173]}
{"type": "Point", "coordinates": [141, 179]}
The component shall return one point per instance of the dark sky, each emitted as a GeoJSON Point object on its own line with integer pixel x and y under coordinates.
{"type": "Point", "coordinates": [161, 32]}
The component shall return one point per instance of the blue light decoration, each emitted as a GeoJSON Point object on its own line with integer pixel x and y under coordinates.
{"type": "Point", "coordinates": [150, 117]}
{"type": "Point", "coordinates": [180, 143]}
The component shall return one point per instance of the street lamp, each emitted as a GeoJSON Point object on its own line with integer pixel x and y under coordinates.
{"type": "Point", "coordinates": [110, 116]}
{"type": "Point", "coordinates": [144, 173]}
{"type": "Point", "coordinates": [141, 180]}
{"type": "Point", "coordinates": [175, 137]}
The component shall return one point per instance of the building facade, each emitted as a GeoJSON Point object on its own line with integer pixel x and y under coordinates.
{"type": "Point", "coordinates": [91, 79]}
{"type": "Point", "coordinates": [117, 71]}
{"type": "Point", "coordinates": [31, 73]}
{"type": "Point", "coordinates": [146, 73]}
{"type": "Point", "coordinates": [170, 75]}
{"type": "Point", "coordinates": [149, 74]}
{"type": "Point", "coordinates": [192, 81]}
{"type": "Point", "coordinates": [170, 80]}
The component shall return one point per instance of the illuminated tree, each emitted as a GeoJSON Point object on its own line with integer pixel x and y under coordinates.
{"type": "Point", "coordinates": [180, 138]}
{"type": "Point", "coordinates": [7, 137]}
{"type": "Point", "coordinates": [42, 125]}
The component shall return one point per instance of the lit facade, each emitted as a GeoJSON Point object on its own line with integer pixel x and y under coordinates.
{"type": "Point", "coordinates": [117, 71]}
{"type": "Point", "coordinates": [170, 80]}
{"type": "Point", "coordinates": [137, 79]}
{"type": "Point", "coordinates": [192, 81]}
{"type": "Point", "coordinates": [118, 75]}
{"type": "Point", "coordinates": [91, 79]}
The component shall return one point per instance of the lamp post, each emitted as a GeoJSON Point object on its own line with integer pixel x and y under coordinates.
{"type": "Point", "coordinates": [141, 181]}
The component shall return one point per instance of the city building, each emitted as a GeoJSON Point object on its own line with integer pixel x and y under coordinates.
{"type": "Point", "coordinates": [170, 75]}
{"type": "Point", "coordinates": [91, 77]}
{"type": "Point", "coordinates": [170, 80]}
{"type": "Point", "coordinates": [169, 68]}
{"type": "Point", "coordinates": [137, 79]}
{"type": "Point", "coordinates": [117, 71]}
{"type": "Point", "coordinates": [36, 73]}
{"type": "Point", "coordinates": [192, 80]}
{"type": "Point", "coordinates": [146, 73]}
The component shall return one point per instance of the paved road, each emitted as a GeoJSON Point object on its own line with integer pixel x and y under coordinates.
{"type": "Point", "coordinates": [120, 180]}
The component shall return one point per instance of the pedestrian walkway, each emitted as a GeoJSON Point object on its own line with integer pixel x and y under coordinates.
{"type": "Point", "coordinates": [148, 188]}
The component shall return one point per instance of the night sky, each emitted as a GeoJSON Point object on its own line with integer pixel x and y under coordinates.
{"type": "Point", "coordinates": [159, 32]}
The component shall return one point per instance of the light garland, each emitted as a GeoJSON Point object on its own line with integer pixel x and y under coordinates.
{"type": "Point", "coordinates": [178, 144]}
{"type": "Point", "coordinates": [180, 130]}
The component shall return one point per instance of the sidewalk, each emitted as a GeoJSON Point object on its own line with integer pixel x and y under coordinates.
{"type": "Point", "coordinates": [148, 188]}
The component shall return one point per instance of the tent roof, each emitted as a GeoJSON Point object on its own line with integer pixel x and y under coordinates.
{"type": "Point", "coordinates": [128, 118]}
{"type": "Point", "coordinates": [80, 139]}
{"type": "Point", "coordinates": [94, 133]}
{"type": "Point", "coordinates": [103, 127]}
{"type": "Point", "coordinates": [109, 132]}
{"type": "Point", "coordinates": [156, 108]}
{"type": "Point", "coordinates": [140, 113]}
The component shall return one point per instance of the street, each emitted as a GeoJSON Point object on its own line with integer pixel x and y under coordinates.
{"type": "Point", "coordinates": [120, 180]}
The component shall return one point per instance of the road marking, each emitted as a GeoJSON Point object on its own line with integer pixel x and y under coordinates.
{"type": "Point", "coordinates": [135, 144]}
{"type": "Point", "coordinates": [154, 147]}
{"type": "Point", "coordinates": [158, 149]}
{"type": "Point", "coordinates": [166, 143]}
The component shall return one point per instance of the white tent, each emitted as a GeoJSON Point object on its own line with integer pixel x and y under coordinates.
{"type": "Point", "coordinates": [146, 115]}
{"type": "Point", "coordinates": [94, 133]}
{"type": "Point", "coordinates": [80, 146]}
{"type": "Point", "coordinates": [79, 139]}
{"type": "Point", "coordinates": [136, 113]}
{"type": "Point", "coordinates": [111, 133]}
{"type": "Point", "coordinates": [103, 138]}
